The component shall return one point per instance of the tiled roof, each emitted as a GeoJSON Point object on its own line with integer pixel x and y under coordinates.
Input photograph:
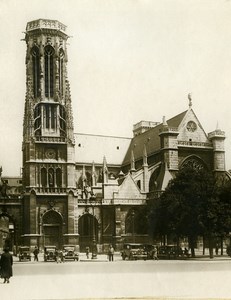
{"type": "Point", "coordinates": [150, 138]}
{"type": "Point", "coordinates": [91, 148]}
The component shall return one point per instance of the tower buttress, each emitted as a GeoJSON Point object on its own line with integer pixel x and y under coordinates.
{"type": "Point", "coordinates": [217, 137]}
{"type": "Point", "coordinates": [169, 145]}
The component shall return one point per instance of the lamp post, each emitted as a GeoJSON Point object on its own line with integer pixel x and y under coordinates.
{"type": "Point", "coordinates": [133, 226]}
{"type": "Point", "coordinates": [94, 246]}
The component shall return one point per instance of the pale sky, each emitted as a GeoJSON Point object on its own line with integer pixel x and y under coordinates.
{"type": "Point", "coordinates": [129, 60]}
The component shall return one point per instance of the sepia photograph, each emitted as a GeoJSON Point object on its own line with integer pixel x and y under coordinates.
{"type": "Point", "coordinates": [115, 156]}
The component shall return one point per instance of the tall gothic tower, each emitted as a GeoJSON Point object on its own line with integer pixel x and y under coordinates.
{"type": "Point", "coordinates": [48, 139]}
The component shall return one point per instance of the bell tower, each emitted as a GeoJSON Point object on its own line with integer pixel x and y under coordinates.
{"type": "Point", "coordinates": [48, 138]}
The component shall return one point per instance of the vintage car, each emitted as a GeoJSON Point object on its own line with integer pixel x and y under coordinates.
{"type": "Point", "coordinates": [69, 252]}
{"type": "Point", "coordinates": [24, 253]}
{"type": "Point", "coordinates": [134, 251]}
{"type": "Point", "coordinates": [170, 252]}
{"type": "Point", "coordinates": [50, 253]}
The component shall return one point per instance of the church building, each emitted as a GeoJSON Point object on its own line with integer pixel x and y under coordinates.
{"type": "Point", "coordinates": [87, 189]}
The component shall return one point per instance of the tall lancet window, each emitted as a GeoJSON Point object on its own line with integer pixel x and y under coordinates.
{"type": "Point", "coordinates": [36, 70]}
{"type": "Point", "coordinates": [49, 71]}
{"type": "Point", "coordinates": [61, 73]}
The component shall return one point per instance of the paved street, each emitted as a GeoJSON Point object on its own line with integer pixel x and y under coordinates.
{"type": "Point", "coordinates": [201, 278]}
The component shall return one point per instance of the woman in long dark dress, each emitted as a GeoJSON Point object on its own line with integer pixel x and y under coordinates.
{"type": "Point", "coordinates": [6, 263]}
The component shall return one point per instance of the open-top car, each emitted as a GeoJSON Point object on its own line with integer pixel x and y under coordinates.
{"type": "Point", "coordinates": [134, 251]}
{"type": "Point", "coordinates": [50, 253]}
{"type": "Point", "coordinates": [24, 253]}
{"type": "Point", "coordinates": [69, 252]}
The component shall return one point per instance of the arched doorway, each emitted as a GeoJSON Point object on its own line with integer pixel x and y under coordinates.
{"type": "Point", "coordinates": [52, 228]}
{"type": "Point", "coordinates": [88, 229]}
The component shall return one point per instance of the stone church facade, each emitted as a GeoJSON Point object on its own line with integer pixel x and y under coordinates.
{"type": "Point", "coordinates": [81, 188]}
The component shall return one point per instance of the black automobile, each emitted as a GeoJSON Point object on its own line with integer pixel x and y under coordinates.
{"type": "Point", "coordinates": [50, 253]}
{"type": "Point", "coordinates": [24, 253]}
{"type": "Point", "coordinates": [134, 251]}
{"type": "Point", "coordinates": [170, 252]}
{"type": "Point", "coordinates": [70, 252]}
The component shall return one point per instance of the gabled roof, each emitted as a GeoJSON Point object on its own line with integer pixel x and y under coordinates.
{"type": "Point", "coordinates": [128, 189]}
{"type": "Point", "coordinates": [150, 138]}
{"type": "Point", "coordinates": [175, 121]}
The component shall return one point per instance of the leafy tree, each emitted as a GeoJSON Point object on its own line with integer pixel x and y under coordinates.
{"type": "Point", "coordinates": [193, 204]}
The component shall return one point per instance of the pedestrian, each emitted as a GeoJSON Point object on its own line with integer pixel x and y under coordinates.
{"type": "Point", "coordinates": [36, 252]}
{"type": "Point", "coordinates": [155, 256]}
{"type": "Point", "coordinates": [60, 257]}
{"type": "Point", "coordinates": [6, 263]}
{"type": "Point", "coordinates": [111, 253]}
{"type": "Point", "coordinates": [217, 249]}
{"type": "Point", "coordinates": [87, 252]}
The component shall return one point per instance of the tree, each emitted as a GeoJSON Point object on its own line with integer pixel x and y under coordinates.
{"type": "Point", "coordinates": [191, 206]}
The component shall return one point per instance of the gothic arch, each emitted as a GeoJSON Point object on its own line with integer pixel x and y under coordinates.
{"type": "Point", "coordinates": [52, 228]}
{"type": "Point", "coordinates": [153, 179]}
{"type": "Point", "coordinates": [194, 162]}
{"type": "Point", "coordinates": [88, 227]}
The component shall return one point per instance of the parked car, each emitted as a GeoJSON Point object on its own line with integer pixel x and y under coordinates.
{"type": "Point", "coordinates": [24, 253]}
{"type": "Point", "coordinates": [50, 253]}
{"type": "Point", "coordinates": [69, 252]}
{"type": "Point", "coordinates": [134, 251]}
{"type": "Point", "coordinates": [170, 251]}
